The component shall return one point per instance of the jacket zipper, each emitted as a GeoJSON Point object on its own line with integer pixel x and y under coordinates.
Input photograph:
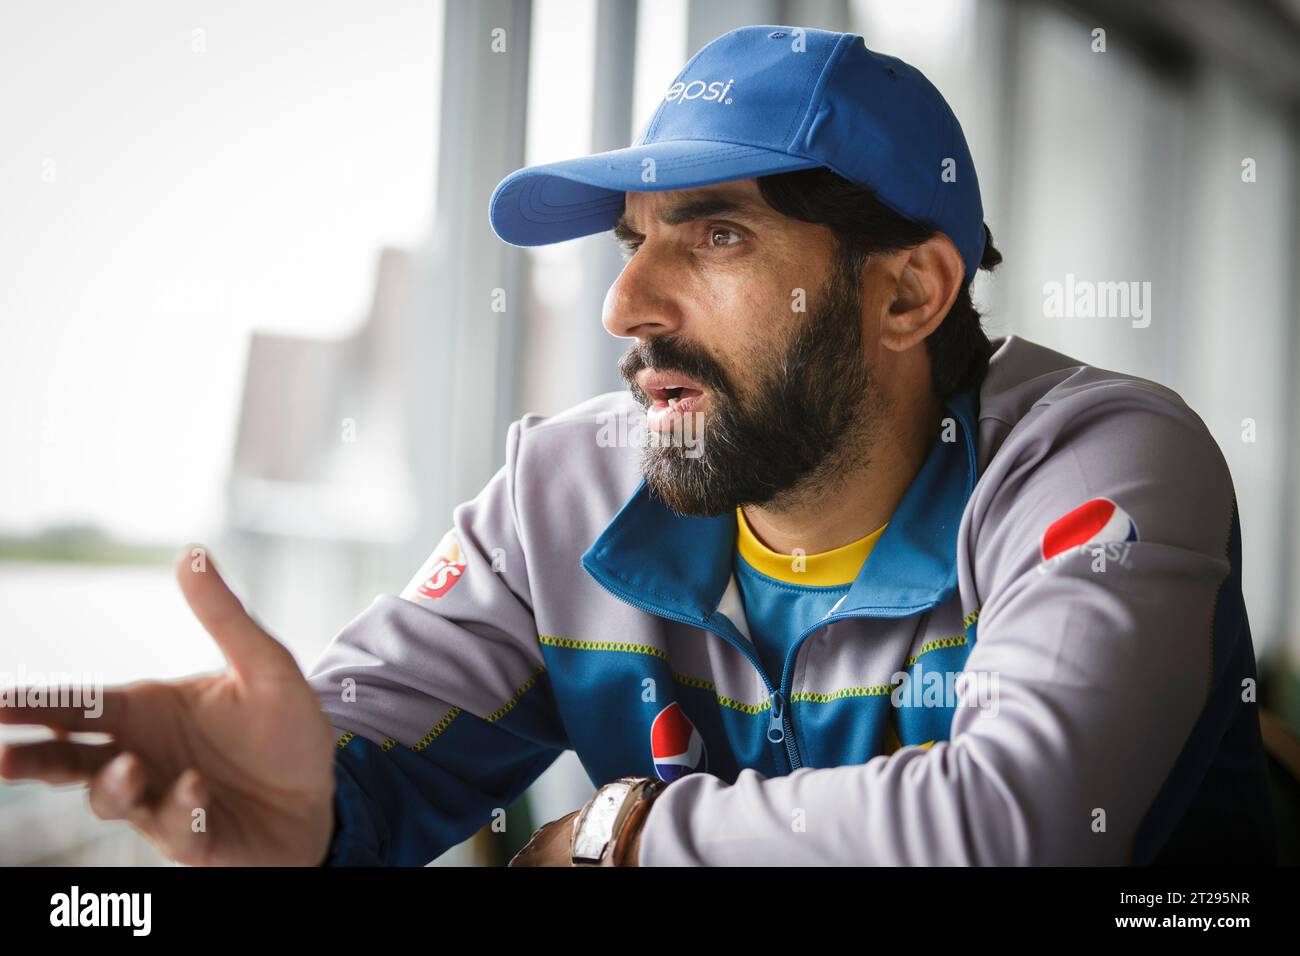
{"type": "Point", "coordinates": [779, 727]}
{"type": "Point", "coordinates": [787, 674]}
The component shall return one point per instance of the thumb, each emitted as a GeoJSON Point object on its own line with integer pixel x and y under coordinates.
{"type": "Point", "coordinates": [248, 649]}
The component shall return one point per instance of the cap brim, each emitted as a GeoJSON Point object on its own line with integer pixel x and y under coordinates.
{"type": "Point", "coordinates": [578, 197]}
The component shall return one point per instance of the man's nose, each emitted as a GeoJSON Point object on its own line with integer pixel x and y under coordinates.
{"type": "Point", "coordinates": [637, 305]}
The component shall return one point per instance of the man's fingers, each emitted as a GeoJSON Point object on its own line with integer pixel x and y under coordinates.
{"type": "Point", "coordinates": [55, 761]}
{"type": "Point", "coordinates": [120, 792]}
{"type": "Point", "coordinates": [117, 792]}
{"type": "Point", "coordinates": [248, 649]}
{"type": "Point", "coordinates": [179, 825]}
{"type": "Point", "coordinates": [105, 716]}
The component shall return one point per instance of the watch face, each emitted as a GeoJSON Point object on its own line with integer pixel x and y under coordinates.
{"type": "Point", "coordinates": [598, 825]}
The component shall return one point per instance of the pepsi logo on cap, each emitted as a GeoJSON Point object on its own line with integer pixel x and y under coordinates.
{"type": "Point", "coordinates": [675, 744]}
{"type": "Point", "coordinates": [1099, 521]}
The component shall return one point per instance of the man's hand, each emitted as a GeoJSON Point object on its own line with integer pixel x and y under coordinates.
{"type": "Point", "coordinates": [551, 845]}
{"type": "Point", "coordinates": [249, 747]}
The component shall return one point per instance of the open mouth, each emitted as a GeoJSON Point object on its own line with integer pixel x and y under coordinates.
{"type": "Point", "coordinates": [671, 396]}
{"type": "Point", "coordinates": [670, 404]}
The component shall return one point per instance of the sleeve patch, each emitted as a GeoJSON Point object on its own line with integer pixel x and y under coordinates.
{"type": "Point", "coordinates": [1099, 521]}
{"type": "Point", "coordinates": [440, 573]}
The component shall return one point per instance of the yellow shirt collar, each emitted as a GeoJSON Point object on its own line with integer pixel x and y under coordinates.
{"type": "Point", "coordinates": [827, 569]}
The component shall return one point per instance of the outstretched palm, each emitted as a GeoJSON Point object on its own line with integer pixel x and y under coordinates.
{"type": "Point", "coordinates": [225, 769]}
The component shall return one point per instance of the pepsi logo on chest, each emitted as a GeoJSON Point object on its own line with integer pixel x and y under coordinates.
{"type": "Point", "coordinates": [676, 745]}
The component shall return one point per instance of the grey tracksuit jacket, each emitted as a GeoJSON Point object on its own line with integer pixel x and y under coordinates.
{"type": "Point", "coordinates": [1052, 623]}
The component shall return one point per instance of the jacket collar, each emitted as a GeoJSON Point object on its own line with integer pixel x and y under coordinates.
{"type": "Point", "coordinates": [680, 566]}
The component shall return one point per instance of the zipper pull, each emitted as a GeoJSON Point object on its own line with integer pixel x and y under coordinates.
{"type": "Point", "coordinates": [776, 729]}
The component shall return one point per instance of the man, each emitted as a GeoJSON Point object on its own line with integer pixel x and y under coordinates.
{"type": "Point", "coordinates": [838, 581]}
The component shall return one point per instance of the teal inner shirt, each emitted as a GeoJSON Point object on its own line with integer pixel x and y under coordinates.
{"type": "Point", "coordinates": [778, 612]}
{"type": "Point", "coordinates": [785, 594]}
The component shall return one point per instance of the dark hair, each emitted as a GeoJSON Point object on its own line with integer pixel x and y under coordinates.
{"type": "Point", "coordinates": [863, 225]}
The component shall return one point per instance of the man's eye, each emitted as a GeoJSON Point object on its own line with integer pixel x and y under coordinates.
{"type": "Point", "coordinates": [720, 237]}
{"type": "Point", "coordinates": [628, 248]}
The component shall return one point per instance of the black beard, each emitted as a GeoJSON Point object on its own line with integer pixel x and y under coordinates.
{"type": "Point", "coordinates": [812, 415]}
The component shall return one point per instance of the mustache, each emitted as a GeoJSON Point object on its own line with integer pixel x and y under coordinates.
{"type": "Point", "coordinates": [669, 354]}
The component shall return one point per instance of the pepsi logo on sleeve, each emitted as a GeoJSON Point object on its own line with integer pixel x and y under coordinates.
{"type": "Point", "coordinates": [1099, 521]}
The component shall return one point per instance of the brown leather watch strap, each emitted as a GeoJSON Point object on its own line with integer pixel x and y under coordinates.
{"type": "Point", "coordinates": [641, 792]}
{"type": "Point", "coordinates": [621, 846]}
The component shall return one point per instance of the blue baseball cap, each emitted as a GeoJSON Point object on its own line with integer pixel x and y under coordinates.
{"type": "Point", "coordinates": [763, 100]}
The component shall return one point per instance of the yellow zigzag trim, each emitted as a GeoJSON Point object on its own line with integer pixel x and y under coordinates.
{"type": "Point", "coordinates": [937, 645]}
{"type": "Point", "coordinates": [451, 715]}
{"type": "Point", "coordinates": [742, 707]}
{"type": "Point", "coordinates": [438, 728]}
{"type": "Point", "coordinates": [697, 682]}
{"type": "Point", "coordinates": [815, 697]}
{"type": "Point", "coordinates": [496, 715]}
{"type": "Point", "coordinates": [623, 647]}
{"type": "Point", "coordinates": [729, 702]}
{"type": "Point", "coordinates": [347, 738]}
{"type": "Point", "coordinates": [970, 619]}
{"type": "Point", "coordinates": [514, 698]}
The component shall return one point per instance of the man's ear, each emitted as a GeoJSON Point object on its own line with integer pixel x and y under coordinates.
{"type": "Point", "coordinates": [928, 278]}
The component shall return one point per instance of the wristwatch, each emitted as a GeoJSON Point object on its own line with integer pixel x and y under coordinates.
{"type": "Point", "coordinates": [599, 828]}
